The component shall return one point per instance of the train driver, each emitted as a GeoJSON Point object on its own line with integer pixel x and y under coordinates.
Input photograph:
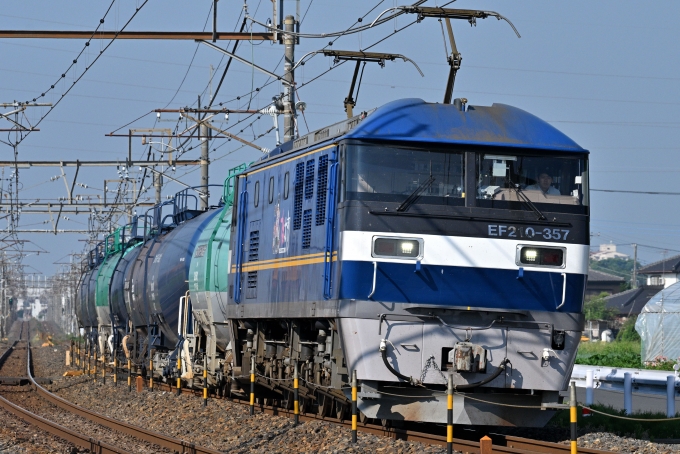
{"type": "Point", "coordinates": [544, 184]}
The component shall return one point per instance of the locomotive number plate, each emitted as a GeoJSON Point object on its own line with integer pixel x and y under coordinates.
{"type": "Point", "coordinates": [535, 233]}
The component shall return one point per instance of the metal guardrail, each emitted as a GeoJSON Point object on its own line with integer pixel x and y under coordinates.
{"type": "Point", "coordinates": [612, 378]}
{"type": "Point", "coordinates": [624, 380]}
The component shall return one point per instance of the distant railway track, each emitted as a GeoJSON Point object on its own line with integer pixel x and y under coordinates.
{"type": "Point", "coordinates": [123, 430]}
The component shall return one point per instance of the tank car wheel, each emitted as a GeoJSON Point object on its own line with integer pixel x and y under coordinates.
{"type": "Point", "coordinates": [363, 419]}
{"type": "Point", "coordinates": [340, 409]}
{"type": "Point", "coordinates": [385, 423]}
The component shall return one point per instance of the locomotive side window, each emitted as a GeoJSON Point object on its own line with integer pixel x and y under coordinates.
{"type": "Point", "coordinates": [508, 181]}
{"type": "Point", "coordinates": [392, 174]}
{"type": "Point", "coordinates": [286, 183]}
{"type": "Point", "coordinates": [256, 194]}
{"type": "Point", "coordinates": [271, 189]}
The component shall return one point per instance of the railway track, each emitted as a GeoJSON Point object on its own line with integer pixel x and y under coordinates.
{"type": "Point", "coordinates": [70, 422]}
{"type": "Point", "coordinates": [469, 444]}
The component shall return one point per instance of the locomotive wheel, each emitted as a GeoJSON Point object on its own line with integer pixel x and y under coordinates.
{"type": "Point", "coordinates": [287, 400]}
{"type": "Point", "coordinates": [304, 405]}
{"type": "Point", "coordinates": [340, 409]}
{"type": "Point", "coordinates": [324, 405]}
{"type": "Point", "coordinates": [363, 419]}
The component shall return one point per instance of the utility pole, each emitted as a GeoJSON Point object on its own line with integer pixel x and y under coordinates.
{"type": "Point", "coordinates": [205, 162]}
{"type": "Point", "coordinates": [289, 77]}
{"type": "Point", "coordinates": [634, 284]}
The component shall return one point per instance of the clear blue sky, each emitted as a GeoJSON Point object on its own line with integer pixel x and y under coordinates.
{"type": "Point", "coordinates": [605, 73]}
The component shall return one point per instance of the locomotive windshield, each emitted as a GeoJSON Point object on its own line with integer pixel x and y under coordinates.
{"type": "Point", "coordinates": [391, 174]}
{"type": "Point", "coordinates": [541, 179]}
{"type": "Point", "coordinates": [436, 176]}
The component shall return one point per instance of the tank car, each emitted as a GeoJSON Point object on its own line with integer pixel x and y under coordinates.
{"type": "Point", "coordinates": [407, 244]}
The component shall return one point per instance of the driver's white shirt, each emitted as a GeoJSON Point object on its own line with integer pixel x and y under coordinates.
{"type": "Point", "coordinates": [535, 187]}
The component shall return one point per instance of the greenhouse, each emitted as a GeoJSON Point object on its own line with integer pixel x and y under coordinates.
{"type": "Point", "coordinates": [659, 326]}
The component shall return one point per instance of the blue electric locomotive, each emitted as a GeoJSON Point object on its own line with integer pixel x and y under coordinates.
{"type": "Point", "coordinates": [406, 244]}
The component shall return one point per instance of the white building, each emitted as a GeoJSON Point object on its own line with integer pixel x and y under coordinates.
{"type": "Point", "coordinates": [608, 251]}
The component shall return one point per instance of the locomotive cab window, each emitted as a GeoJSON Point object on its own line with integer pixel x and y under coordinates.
{"type": "Point", "coordinates": [393, 174]}
{"type": "Point", "coordinates": [554, 183]}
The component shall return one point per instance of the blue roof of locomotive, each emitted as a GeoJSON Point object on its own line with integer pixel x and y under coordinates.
{"type": "Point", "coordinates": [414, 120]}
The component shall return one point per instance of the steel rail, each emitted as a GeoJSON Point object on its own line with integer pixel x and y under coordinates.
{"type": "Point", "coordinates": [51, 427]}
{"type": "Point", "coordinates": [174, 444]}
{"type": "Point", "coordinates": [501, 443]}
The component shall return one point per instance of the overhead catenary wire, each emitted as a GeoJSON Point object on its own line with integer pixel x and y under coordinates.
{"type": "Point", "coordinates": [137, 10]}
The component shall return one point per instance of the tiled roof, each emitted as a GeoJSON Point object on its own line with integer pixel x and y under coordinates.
{"type": "Point", "coordinates": [601, 276]}
{"type": "Point", "coordinates": [669, 265]}
{"type": "Point", "coordinates": [632, 301]}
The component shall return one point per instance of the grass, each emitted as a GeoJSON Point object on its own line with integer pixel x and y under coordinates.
{"type": "Point", "coordinates": [617, 354]}
{"type": "Point", "coordinates": [609, 354]}
{"type": "Point", "coordinates": [601, 423]}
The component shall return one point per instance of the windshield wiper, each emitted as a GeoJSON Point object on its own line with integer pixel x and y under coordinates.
{"type": "Point", "coordinates": [522, 195]}
{"type": "Point", "coordinates": [410, 200]}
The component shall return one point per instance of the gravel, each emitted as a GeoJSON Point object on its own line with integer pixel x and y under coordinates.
{"type": "Point", "coordinates": [227, 426]}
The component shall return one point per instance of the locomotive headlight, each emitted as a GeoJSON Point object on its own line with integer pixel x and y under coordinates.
{"type": "Point", "coordinates": [529, 255]}
{"type": "Point", "coordinates": [406, 248]}
{"type": "Point", "coordinates": [403, 248]}
{"type": "Point", "coordinates": [540, 256]}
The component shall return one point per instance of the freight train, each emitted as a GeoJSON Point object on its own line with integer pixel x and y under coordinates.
{"type": "Point", "coordinates": [409, 243]}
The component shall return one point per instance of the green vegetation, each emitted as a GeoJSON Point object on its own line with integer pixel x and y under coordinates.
{"type": "Point", "coordinates": [617, 354]}
{"type": "Point", "coordinates": [617, 267]}
{"type": "Point", "coordinates": [610, 354]}
{"type": "Point", "coordinates": [638, 429]}
{"type": "Point", "coordinates": [627, 332]}
{"type": "Point", "coordinates": [596, 309]}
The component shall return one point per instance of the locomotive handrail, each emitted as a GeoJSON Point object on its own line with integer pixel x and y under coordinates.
{"type": "Point", "coordinates": [240, 234]}
{"type": "Point", "coordinates": [375, 272]}
{"type": "Point", "coordinates": [564, 291]}
{"type": "Point", "coordinates": [330, 224]}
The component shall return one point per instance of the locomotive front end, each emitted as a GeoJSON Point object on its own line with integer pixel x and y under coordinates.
{"type": "Point", "coordinates": [463, 250]}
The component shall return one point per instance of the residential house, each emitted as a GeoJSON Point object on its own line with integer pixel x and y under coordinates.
{"type": "Point", "coordinates": [665, 272]}
{"type": "Point", "coordinates": [599, 281]}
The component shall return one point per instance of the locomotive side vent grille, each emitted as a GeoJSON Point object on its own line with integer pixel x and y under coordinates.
{"type": "Point", "coordinates": [307, 229]}
{"type": "Point", "coordinates": [309, 179]}
{"type": "Point", "coordinates": [299, 184]}
{"type": "Point", "coordinates": [321, 189]}
{"type": "Point", "coordinates": [253, 256]}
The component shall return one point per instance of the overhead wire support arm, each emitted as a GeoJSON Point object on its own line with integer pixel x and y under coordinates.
{"type": "Point", "coordinates": [359, 57]}
{"type": "Point", "coordinates": [193, 36]}
{"type": "Point", "coordinates": [243, 60]}
{"type": "Point", "coordinates": [206, 122]}
{"type": "Point", "coordinates": [470, 15]}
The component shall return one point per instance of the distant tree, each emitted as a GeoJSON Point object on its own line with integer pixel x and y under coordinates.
{"type": "Point", "coordinates": [596, 308]}
{"type": "Point", "coordinates": [627, 332]}
{"type": "Point", "coordinates": [616, 266]}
